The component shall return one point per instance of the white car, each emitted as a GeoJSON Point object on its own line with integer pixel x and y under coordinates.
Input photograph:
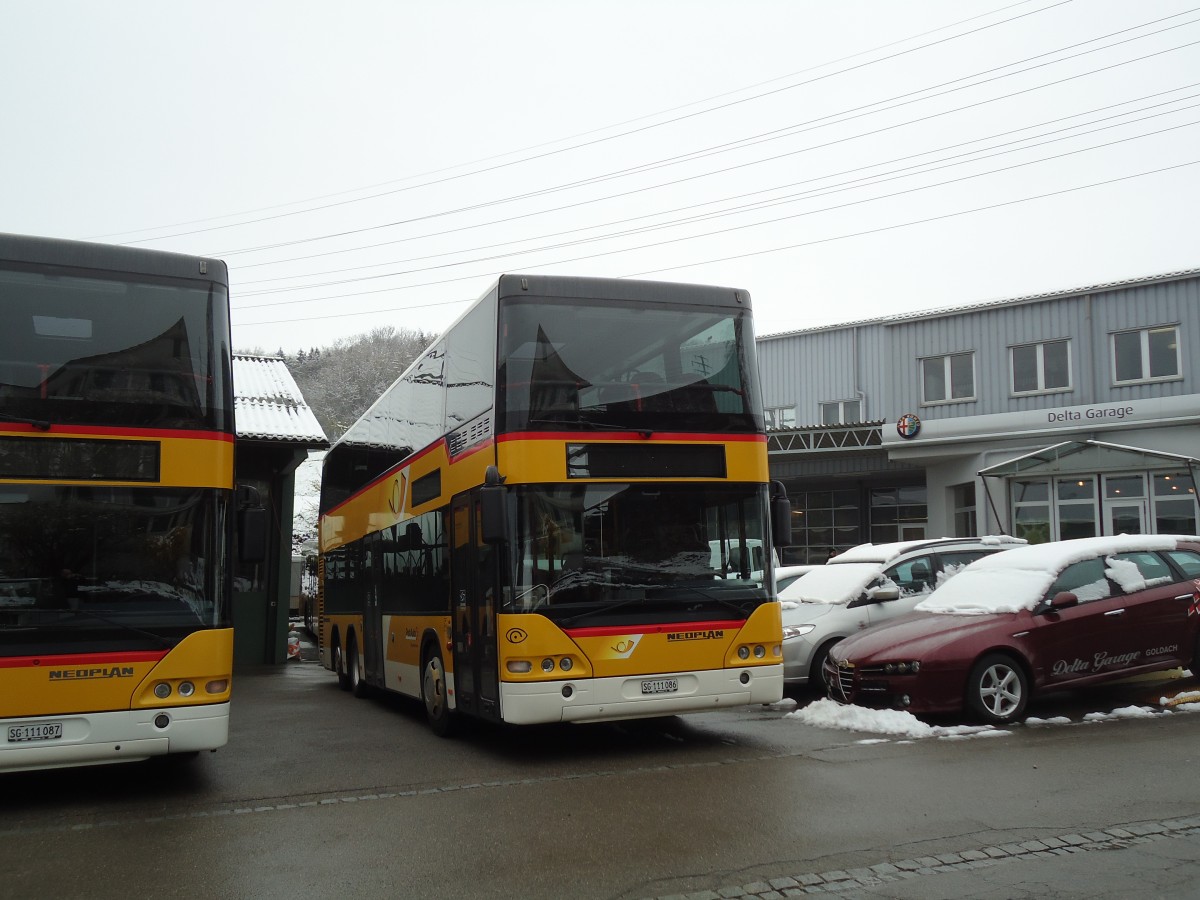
{"type": "Point", "coordinates": [863, 586]}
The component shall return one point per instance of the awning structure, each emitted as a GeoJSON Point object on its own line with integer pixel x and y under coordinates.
{"type": "Point", "coordinates": [1077, 457]}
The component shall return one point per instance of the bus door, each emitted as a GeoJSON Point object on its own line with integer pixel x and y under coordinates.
{"type": "Point", "coordinates": [372, 626]}
{"type": "Point", "coordinates": [473, 592]}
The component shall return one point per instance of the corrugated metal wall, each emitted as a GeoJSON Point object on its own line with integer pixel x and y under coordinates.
{"type": "Point", "coordinates": [881, 358]}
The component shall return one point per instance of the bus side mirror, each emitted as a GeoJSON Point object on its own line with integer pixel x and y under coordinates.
{"type": "Point", "coordinates": [252, 534]}
{"type": "Point", "coordinates": [493, 502]}
{"type": "Point", "coordinates": [781, 515]}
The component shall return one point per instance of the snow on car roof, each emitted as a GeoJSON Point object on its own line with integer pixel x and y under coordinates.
{"type": "Point", "coordinates": [887, 552]}
{"type": "Point", "coordinates": [1019, 578]}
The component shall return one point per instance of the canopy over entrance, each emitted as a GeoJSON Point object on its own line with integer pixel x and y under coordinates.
{"type": "Point", "coordinates": [1076, 457]}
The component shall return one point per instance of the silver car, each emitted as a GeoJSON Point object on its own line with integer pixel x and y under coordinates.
{"type": "Point", "coordinates": [863, 586]}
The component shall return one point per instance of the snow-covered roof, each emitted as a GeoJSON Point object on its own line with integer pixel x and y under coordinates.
{"type": "Point", "coordinates": [268, 404]}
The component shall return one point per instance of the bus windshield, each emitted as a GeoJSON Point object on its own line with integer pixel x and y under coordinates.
{"type": "Point", "coordinates": [628, 366]}
{"type": "Point", "coordinates": [582, 552]}
{"type": "Point", "coordinates": [84, 349]}
{"type": "Point", "coordinates": [107, 568]}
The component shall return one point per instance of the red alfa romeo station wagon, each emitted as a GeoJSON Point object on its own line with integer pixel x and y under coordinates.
{"type": "Point", "coordinates": [1063, 614]}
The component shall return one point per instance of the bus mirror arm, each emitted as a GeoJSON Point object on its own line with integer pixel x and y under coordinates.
{"type": "Point", "coordinates": [781, 515]}
{"type": "Point", "coordinates": [493, 500]}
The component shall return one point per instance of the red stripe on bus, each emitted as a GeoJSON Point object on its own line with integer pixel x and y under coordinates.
{"type": "Point", "coordinates": [632, 435]}
{"type": "Point", "coordinates": [611, 630]}
{"type": "Point", "coordinates": [81, 659]}
{"type": "Point", "coordinates": [58, 429]}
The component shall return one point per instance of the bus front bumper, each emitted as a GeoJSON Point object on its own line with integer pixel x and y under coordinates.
{"type": "Point", "coordinates": [635, 696]}
{"type": "Point", "coordinates": [88, 739]}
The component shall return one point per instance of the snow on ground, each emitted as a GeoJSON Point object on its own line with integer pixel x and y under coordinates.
{"type": "Point", "coordinates": [826, 713]}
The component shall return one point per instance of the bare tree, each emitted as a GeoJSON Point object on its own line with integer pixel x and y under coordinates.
{"type": "Point", "coordinates": [340, 381]}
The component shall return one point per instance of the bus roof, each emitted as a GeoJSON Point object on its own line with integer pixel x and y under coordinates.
{"type": "Point", "coordinates": [109, 257]}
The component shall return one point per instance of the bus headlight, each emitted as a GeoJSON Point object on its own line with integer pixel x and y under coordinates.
{"type": "Point", "coordinates": [547, 665]}
{"type": "Point", "coordinates": [565, 664]}
{"type": "Point", "coordinates": [743, 652]}
{"type": "Point", "coordinates": [186, 689]}
{"type": "Point", "coordinates": [519, 666]}
{"type": "Point", "coordinates": [162, 690]}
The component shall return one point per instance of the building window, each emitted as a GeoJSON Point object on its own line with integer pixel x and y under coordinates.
{"type": "Point", "coordinates": [1174, 504]}
{"type": "Point", "coordinates": [780, 417]}
{"type": "Point", "coordinates": [838, 412]}
{"type": "Point", "coordinates": [1076, 507]}
{"type": "Point", "coordinates": [946, 378]}
{"type": "Point", "coordinates": [1037, 368]}
{"type": "Point", "coordinates": [822, 522]}
{"type": "Point", "coordinates": [966, 521]}
{"type": "Point", "coordinates": [1148, 354]}
{"type": "Point", "coordinates": [898, 514]}
{"type": "Point", "coordinates": [1031, 510]}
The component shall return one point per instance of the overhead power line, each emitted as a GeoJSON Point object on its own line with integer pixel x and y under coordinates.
{"type": "Point", "coordinates": [710, 261]}
{"type": "Point", "coordinates": [532, 158]}
{"type": "Point", "coordinates": [1025, 143]}
{"type": "Point", "coordinates": [787, 131]}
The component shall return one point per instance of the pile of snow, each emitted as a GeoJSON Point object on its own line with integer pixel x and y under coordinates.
{"type": "Point", "coordinates": [825, 713]}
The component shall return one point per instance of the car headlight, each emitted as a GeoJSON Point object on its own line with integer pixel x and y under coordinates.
{"type": "Point", "coordinates": [795, 631]}
{"type": "Point", "coordinates": [903, 668]}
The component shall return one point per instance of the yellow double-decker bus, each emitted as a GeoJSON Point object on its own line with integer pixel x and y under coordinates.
{"type": "Point", "coordinates": [116, 503]}
{"type": "Point", "coordinates": [561, 512]}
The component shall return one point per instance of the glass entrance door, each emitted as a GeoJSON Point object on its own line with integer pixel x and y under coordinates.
{"type": "Point", "coordinates": [1125, 504]}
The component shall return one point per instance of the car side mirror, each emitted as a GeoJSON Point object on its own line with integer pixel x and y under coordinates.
{"type": "Point", "coordinates": [884, 593]}
{"type": "Point", "coordinates": [1064, 599]}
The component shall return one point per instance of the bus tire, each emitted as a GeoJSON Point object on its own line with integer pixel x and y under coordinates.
{"type": "Point", "coordinates": [339, 664]}
{"type": "Point", "coordinates": [435, 694]}
{"type": "Point", "coordinates": [354, 666]}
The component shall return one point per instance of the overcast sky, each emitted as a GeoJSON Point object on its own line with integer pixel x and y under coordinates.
{"type": "Point", "coordinates": [368, 163]}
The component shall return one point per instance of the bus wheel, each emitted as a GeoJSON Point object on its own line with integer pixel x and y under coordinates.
{"type": "Point", "coordinates": [339, 665]}
{"type": "Point", "coordinates": [354, 666]}
{"type": "Point", "coordinates": [434, 693]}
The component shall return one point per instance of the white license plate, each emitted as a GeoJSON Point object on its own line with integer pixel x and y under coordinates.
{"type": "Point", "coordinates": [660, 686]}
{"type": "Point", "coordinates": [42, 731]}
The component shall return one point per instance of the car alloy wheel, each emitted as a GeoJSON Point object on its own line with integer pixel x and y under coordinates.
{"type": "Point", "coordinates": [998, 690]}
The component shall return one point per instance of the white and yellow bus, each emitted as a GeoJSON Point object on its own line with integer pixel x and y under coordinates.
{"type": "Point", "coordinates": [534, 523]}
{"type": "Point", "coordinates": [116, 503]}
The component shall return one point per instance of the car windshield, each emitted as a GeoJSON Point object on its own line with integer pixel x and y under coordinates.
{"type": "Point", "coordinates": [833, 583]}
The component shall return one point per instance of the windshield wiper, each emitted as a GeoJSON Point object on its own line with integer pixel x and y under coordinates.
{"type": "Point", "coordinates": [588, 423]}
{"type": "Point", "coordinates": [39, 424]}
{"type": "Point", "coordinates": [162, 641]}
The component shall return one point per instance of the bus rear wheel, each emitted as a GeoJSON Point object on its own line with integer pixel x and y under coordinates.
{"type": "Point", "coordinates": [354, 666]}
{"type": "Point", "coordinates": [339, 665]}
{"type": "Point", "coordinates": [435, 693]}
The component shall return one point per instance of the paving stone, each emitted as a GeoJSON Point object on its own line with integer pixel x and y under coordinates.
{"type": "Point", "coordinates": [786, 882]}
